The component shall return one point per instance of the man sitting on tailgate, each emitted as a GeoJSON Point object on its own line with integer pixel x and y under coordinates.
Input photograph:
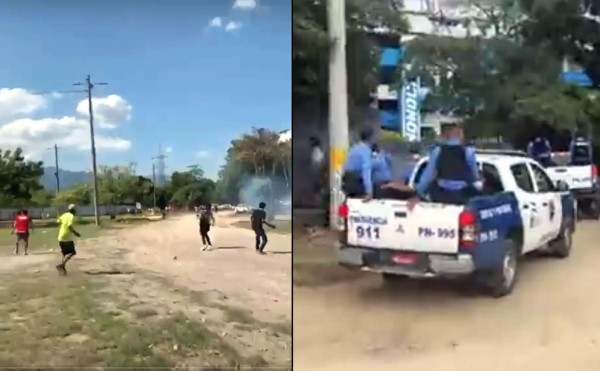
{"type": "Point", "coordinates": [451, 175]}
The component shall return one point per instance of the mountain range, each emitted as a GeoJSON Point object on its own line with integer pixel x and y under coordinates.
{"type": "Point", "coordinates": [67, 178]}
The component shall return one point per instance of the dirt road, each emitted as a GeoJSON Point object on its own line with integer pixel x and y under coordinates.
{"type": "Point", "coordinates": [156, 273]}
{"type": "Point", "coordinates": [551, 322]}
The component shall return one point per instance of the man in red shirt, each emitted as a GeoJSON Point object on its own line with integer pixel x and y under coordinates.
{"type": "Point", "coordinates": [21, 227]}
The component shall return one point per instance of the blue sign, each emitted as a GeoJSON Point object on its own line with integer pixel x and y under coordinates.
{"type": "Point", "coordinates": [410, 110]}
{"type": "Point", "coordinates": [577, 77]}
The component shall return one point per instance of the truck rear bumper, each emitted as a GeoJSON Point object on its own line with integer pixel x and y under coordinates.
{"type": "Point", "coordinates": [419, 265]}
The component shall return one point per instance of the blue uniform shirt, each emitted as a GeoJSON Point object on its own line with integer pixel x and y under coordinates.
{"type": "Point", "coordinates": [360, 159]}
{"type": "Point", "coordinates": [539, 148]}
{"type": "Point", "coordinates": [429, 174]}
{"type": "Point", "coordinates": [382, 168]}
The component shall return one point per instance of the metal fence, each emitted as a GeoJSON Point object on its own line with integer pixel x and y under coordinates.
{"type": "Point", "coordinates": [53, 212]}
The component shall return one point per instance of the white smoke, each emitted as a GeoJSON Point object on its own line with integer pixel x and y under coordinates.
{"type": "Point", "coordinates": [272, 191]}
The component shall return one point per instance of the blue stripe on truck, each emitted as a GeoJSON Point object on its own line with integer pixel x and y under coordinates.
{"type": "Point", "coordinates": [497, 216]}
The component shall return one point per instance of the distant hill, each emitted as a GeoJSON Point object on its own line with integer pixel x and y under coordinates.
{"type": "Point", "coordinates": [67, 178]}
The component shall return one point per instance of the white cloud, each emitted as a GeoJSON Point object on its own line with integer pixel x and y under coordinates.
{"type": "Point", "coordinates": [109, 111]}
{"type": "Point", "coordinates": [169, 150]}
{"type": "Point", "coordinates": [34, 135]}
{"type": "Point", "coordinates": [18, 102]}
{"type": "Point", "coordinates": [216, 22]}
{"type": "Point", "coordinates": [244, 4]}
{"type": "Point", "coordinates": [202, 154]}
{"type": "Point", "coordinates": [232, 26]}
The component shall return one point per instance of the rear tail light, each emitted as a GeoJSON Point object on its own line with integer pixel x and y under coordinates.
{"type": "Point", "coordinates": [467, 225]}
{"type": "Point", "coordinates": [343, 211]}
{"type": "Point", "coordinates": [594, 172]}
{"type": "Point", "coordinates": [343, 214]}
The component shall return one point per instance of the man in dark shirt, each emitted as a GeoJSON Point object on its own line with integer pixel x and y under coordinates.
{"type": "Point", "coordinates": [257, 219]}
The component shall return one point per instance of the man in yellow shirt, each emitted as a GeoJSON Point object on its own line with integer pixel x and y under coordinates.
{"type": "Point", "coordinates": [65, 238]}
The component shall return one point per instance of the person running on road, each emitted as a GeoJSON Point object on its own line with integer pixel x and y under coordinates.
{"type": "Point", "coordinates": [206, 219]}
{"type": "Point", "coordinates": [257, 219]}
{"type": "Point", "coordinates": [21, 227]}
{"type": "Point", "coordinates": [65, 238]}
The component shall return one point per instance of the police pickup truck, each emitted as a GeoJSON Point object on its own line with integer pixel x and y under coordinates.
{"type": "Point", "coordinates": [582, 179]}
{"type": "Point", "coordinates": [520, 211]}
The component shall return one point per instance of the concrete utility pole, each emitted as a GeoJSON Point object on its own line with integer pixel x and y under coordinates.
{"type": "Point", "coordinates": [338, 105]}
{"type": "Point", "coordinates": [55, 148]}
{"type": "Point", "coordinates": [154, 187]}
{"type": "Point", "coordinates": [89, 86]}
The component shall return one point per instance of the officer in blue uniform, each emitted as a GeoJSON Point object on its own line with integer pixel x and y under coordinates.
{"type": "Point", "coordinates": [357, 179]}
{"type": "Point", "coordinates": [451, 175]}
{"type": "Point", "coordinates": [382, 172]}
{"type": "Point", "coordinates": [540, 150]}
{"type": "Point", "coordinates": [580, 149]}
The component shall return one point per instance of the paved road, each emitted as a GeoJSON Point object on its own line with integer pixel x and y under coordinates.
{"type": "Point", "coordinates": [551, 322]}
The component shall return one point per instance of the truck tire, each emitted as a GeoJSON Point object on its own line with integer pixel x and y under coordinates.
{"type": "Point", "coordinates": [594, 209]}
{"type": "Point", "coordinates": [502, 280]}
{"type": "Point", "coordinates": [561, 247]}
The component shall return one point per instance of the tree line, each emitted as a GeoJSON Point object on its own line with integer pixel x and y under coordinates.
{"type": "Point", "coordinates": [258, 153]}
{"type": "Point", "coordinates": [505, 79]}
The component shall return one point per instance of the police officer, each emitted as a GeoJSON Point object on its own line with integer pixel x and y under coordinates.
{"type": "Point", "coordinates": [451, 175]}
{"type": "Point", "coordinates": [540, 150]}
{"type": "Point", "coordinates": [357, 178]}
{"type": "Point", "coordinates": [580, 149]}
{"type": "Point", "coordinates": [382, 170]}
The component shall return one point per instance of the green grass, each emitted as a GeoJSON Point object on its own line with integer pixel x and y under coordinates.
{"type": "Point", "coordinates": [44, 235]}
{"type": "Point", "coordinates": [62, 322]}
{"type": "Point", "coordinates": [281, 226]}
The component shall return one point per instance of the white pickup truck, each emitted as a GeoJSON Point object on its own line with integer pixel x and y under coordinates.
{"type": "Point", "coordinates": [521, 210]}
{"type": "Point", "coordinates": [581, 179]}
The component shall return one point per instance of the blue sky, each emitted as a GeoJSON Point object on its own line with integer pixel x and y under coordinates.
{"type": "Point", "coordinates": [176, 76]}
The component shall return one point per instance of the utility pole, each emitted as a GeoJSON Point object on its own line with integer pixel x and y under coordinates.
{"type": "Point", "coordinates": [338, 106]}
{"type": "Point", "coordinates": [154, 187]}
{"type": "Point", "coordinates": [89, 86]}
{"type": "Point", "coordinates": [55, 148]}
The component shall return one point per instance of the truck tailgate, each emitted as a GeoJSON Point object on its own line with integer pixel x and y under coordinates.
{"type": "Point", "coordinates": [577, 177]}
{"type": "Point", "coordinates": [388, 224]}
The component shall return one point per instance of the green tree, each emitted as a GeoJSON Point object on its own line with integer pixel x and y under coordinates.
{"type": "Point", "coordinates": [78, 194]}
{"type": "Point", "coordinates": [310, 55]}
{"type": "Point", "coordinates": [19, 178]}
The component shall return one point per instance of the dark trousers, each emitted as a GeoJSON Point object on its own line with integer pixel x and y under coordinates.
{"type": "Point", "coordinates": [204, 233]}
{"type": "Point", "coordinates": [390, 194]}
{"type": "Point", "coordinates": [452, 197]}
{"type": "Point", "coordinates": [261, 238]}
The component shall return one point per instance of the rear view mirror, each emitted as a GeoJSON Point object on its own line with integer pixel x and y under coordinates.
{"type": "Point", "coordinates": [562, 186]}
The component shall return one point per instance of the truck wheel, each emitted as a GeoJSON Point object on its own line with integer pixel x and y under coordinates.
{"type": "Point", "coordinates": [594, 209]}
{"type": "Point", "coordinates": [561, 247]}
{"type": "Point", "coordinates": [502, 280]}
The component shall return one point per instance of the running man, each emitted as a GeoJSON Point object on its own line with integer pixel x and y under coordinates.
{"type": "Point", "coordinates": [206, 219]}
{"type": "Point", "coordinates": [21, 227]}
{"type": "Point", "coordinates": [65, 238]}
{"type": "Point", "coordinates": [257, 219]}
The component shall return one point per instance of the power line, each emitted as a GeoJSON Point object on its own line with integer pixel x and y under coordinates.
{"type": "Point", "coordinates": [89, 86]}
{"type": "Point", "coordinates": [160, 165]}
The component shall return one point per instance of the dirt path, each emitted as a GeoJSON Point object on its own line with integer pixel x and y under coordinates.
{"type": "Point", "coordinates": [551, 322]}
{"type": "Point", "coordinates": [157, 271]}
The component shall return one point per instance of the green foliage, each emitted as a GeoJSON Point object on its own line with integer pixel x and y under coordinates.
{"type": "Point", "coordinates": [19, 178]}
{"type": "Point", "coordinates": [258, 153]}
{"type": "Point", "coordinates": [310, 55]}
